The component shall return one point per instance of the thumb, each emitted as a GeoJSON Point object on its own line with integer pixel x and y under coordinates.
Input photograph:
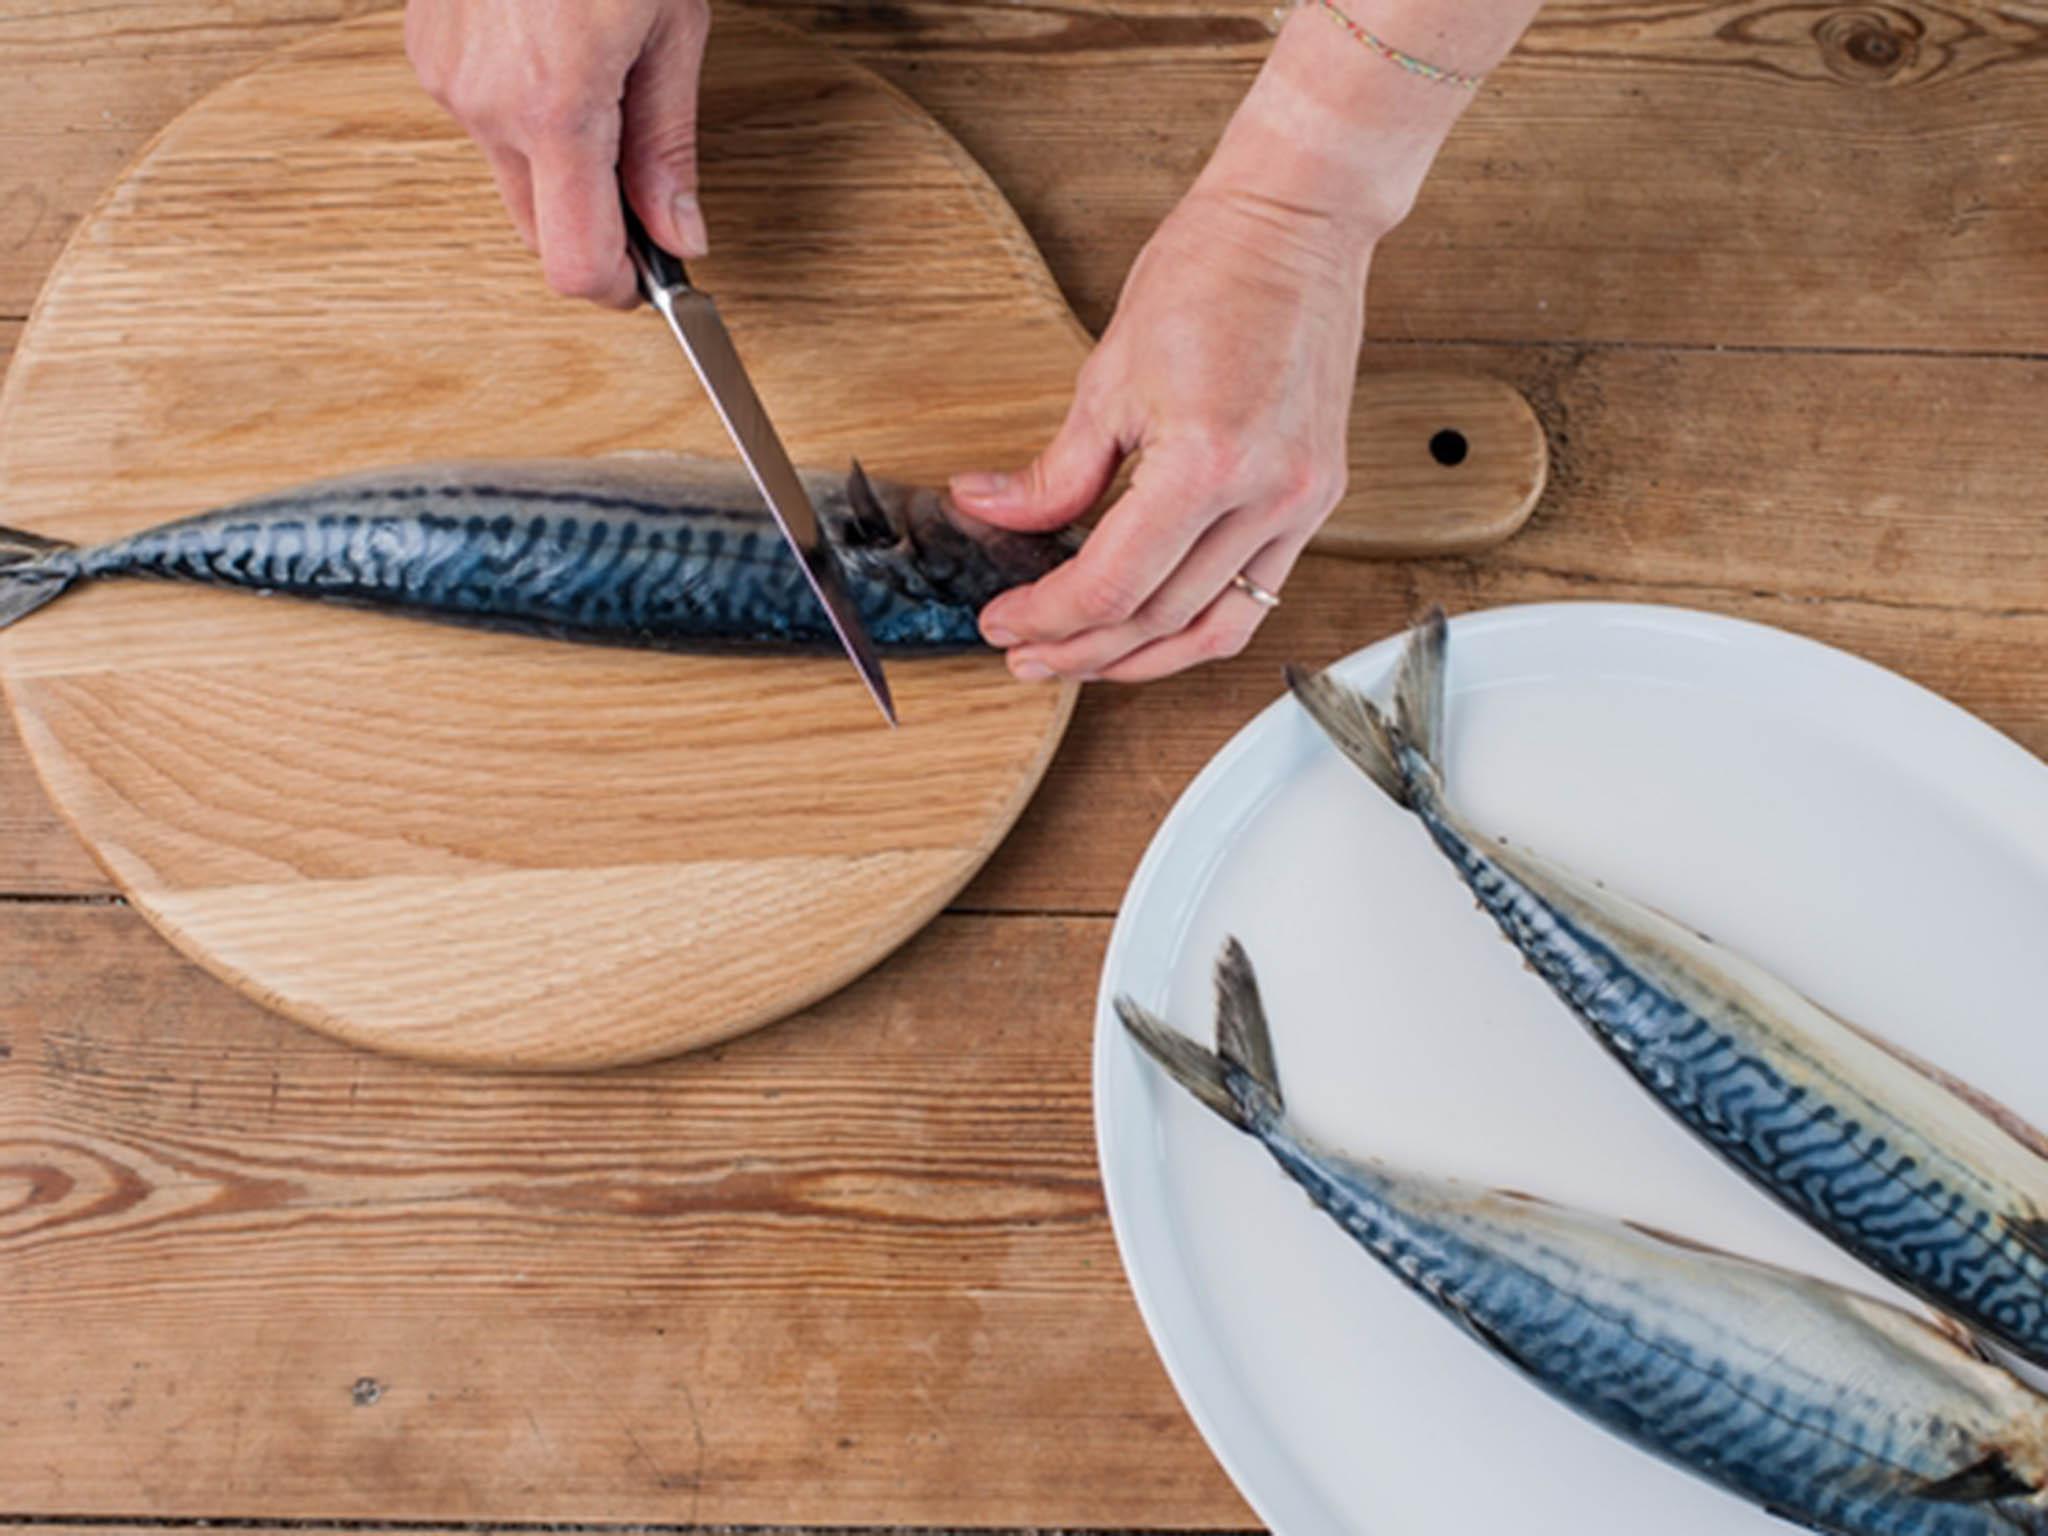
{"type": "Point", "coordinates": [1059, 485]}
{"type": "Point", "coordinates": [658, 145]}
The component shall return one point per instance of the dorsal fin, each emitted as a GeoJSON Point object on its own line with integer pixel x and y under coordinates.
{"type": "Point", "coordinates": [1680, 1240]}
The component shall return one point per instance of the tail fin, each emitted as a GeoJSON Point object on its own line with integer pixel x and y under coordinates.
{"type": "Point", "coordinates": [18, 546]}
{"type": "Point", "coordinates": [1238, 1080]}
{"type": "Point", "coordinates": [26, 581]}
{"type": "Point", "coordinates": [1361, 729]}
{"type": "Point", "coordinates": [1419, 690]}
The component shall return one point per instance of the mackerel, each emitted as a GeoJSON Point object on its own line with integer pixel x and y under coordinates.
{"type": "Point", "coordinates": [661, 553]}
{"type": "Point", "coordinates": [1828, 1408]}
{"type": "Point", "coordinates": [1915, 1174]}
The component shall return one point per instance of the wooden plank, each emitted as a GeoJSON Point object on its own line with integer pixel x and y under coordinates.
{"type": "Point", "coordinates": [38, 854]}
{"type": "Point", "coordinates": [1719, 173]}
{"type": "Point", "coordinates": [1716, 173]}
{"type": "Point", "coordinates": [87, 85]}
{"type": "Point", "coordinates": [853, 1270]}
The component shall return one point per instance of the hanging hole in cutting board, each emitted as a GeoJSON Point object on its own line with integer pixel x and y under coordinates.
{"type": "Point", "coordinates": [1449, 447]}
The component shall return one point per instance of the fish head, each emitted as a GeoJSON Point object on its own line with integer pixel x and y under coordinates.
{"type": "Point", "coordinates": [915, 541]}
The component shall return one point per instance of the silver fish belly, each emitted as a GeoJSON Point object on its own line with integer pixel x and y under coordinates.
{"type": "Point", "coordinates": [663, 553]}
{"type": "Point", "coordinates": [1915, 1175]}
{"type": "Point", "coordinates": [1828, 1408]}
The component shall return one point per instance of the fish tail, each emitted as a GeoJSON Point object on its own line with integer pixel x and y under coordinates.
{"type": "Point", "coordinates": [1352, 721]}
{"type": "Point", "coordinates": [18, 546]}
{"type": "Point", "coordinates": [1419, 689]}
{"type": "Point", "coordinates": [1238, 1080]}
{"type": "Point", "coordinates": [1362, 730]}
{"type": "Point", "coordinates": [28, 577]}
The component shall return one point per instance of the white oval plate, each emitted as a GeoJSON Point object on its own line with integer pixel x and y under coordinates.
{"type": "Point", "coordinates": [1867, 840]}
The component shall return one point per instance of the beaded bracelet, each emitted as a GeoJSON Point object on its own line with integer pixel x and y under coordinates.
{"type": "Point", "coordinates": [1393, 55]}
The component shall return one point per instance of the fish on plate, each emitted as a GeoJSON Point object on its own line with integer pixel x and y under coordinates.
{"type": "Point", "coordinates": [1826, 1407]}
{"type": "Point", "coordinates": [1919, 1176]}
{"type": "Point", "coordinates": [659, 553]}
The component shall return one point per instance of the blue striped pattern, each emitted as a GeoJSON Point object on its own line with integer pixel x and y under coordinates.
{"type": "Point", "coordinates": [1892, 1199]}
{"type": "Point", "coordinates": [666, 572]}
{"type": "Point", "coordinates": [1762, 1382]}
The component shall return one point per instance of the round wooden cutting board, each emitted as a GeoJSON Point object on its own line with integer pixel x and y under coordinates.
{"type": "Point", "coordinates": [486, 849]}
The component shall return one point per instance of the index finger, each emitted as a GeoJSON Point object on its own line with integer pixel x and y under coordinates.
{"type": "Point", "coordinates": [577, 217]}
{"type": "Point", "coordinates": [1137, 545]}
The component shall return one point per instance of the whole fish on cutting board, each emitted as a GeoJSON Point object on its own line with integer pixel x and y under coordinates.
{"type": "Point", "coordinates": [1825, 1407]}
{"type": "Point", "coordinates": [1918, 1176]}
{"type": "Point", "coordinates": [661, 553]}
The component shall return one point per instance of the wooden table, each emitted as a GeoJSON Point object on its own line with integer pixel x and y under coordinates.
{"type": "Point", "coordinates": [1776, 276]}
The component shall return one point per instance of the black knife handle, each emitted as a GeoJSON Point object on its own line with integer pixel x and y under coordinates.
{"type": "Point", "coordinates": [659, 271]}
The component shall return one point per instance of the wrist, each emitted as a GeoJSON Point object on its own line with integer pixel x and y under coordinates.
{"type": "Point", "coordinates": [1337, 131]}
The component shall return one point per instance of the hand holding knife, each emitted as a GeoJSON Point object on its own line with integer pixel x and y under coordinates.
{"type": "Point", "coordinates": [705, 341]}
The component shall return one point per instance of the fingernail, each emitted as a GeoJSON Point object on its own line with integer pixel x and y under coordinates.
{"type": "Point", "coordinates": [999, 637]}
{"type": "Point", "coordinates": [690, 230]}
{"type": "Point", "coordinates": [1030, 671]}
{"type": "Point", "coordinates": [979, 487]}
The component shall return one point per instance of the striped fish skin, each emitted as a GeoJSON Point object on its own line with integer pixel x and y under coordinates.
{"type": "Point", "coordinates": [1916, 1176]}
{"type": "Point", "coordinates": [667, 554]}
{"type": "Point", "coordinates": [1829, 1408]}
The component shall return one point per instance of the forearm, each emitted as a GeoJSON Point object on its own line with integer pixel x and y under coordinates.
{"type": "Point", "coordinates": [1336, 136]}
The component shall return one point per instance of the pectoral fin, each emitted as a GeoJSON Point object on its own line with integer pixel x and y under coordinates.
{"type": "Point", "coordinates": [1982, 1482]}
{"type": "Point", "coordinates": [1959, 1336]}
{"type": "Point", "coordinates": [2030, 1232]}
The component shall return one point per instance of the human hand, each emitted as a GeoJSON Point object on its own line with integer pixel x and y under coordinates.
{"type": "Point", "coordinates": [1228, 368]}
{"type": "Point", "coordinates": [567, 98]}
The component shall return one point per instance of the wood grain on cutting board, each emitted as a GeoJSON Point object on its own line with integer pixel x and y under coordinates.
{"type": "Point", "coordinates": [477, 848]}
{"type": "Point", "coordinates": [474, 847]}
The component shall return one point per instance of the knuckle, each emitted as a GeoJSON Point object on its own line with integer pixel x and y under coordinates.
{"type": "Point", "coordinates": [1299, 480]}
{"type": "Point", "coordinates": [578, 274]}
{"type": "Point", "coordinates": [1219, 642]}
{"type": "Point", "coordinates": [1213, 459]}
{"type": "Point", "coordinates": [561, 108]}
{"type": "Point", "coordinates": [470, 98]}
{"type": "Point", "coordinates": [1304, 483]}
{"type": "Point", "coordinates": [1107, 599]}
{"type": "Point", "coordinates": [1164, 615]}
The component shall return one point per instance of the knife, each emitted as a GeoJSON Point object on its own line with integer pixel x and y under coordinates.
{"type": "Point", "coordinates": [706, 342]}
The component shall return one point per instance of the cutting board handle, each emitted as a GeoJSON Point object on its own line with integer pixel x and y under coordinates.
{"type": "Point", "coordinates": [1441, 463]}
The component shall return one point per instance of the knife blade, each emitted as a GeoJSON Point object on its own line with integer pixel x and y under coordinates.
{"type": "Point", "coordinates": [700, 330]}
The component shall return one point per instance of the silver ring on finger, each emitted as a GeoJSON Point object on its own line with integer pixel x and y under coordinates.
{"type": "Point", "coordinates": [1258, 594]}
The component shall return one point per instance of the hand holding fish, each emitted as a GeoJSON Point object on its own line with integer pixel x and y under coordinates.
{"type": "Point", "coordinates": [1229, 366]}
{"type": "Point", "coordinates": [567, 98]}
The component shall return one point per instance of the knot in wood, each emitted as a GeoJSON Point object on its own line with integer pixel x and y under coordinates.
{"type": "Point", "coordinates": [1869, 45]}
